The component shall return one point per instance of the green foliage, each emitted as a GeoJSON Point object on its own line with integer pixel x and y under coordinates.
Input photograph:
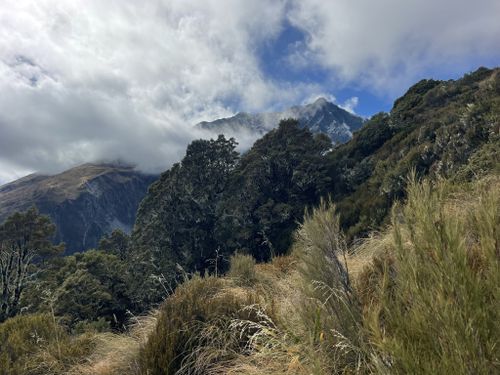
{"type": "Point", "coordinates": [176, 221]}
{"type": "Point", "coordinates": [242, 269]}
{"type": "Point", "coordinates": [275, 180]}
{"type": "Point", "coordinates": [94, 285]}
{"type": "Point", "coordinates": [481, 163]}
{"type": "Point", "coordinates": [24, 240]}
{"type": "Point", "coordinates": [437, 129]}
{"type": "Point", "coordinates": [84, 288]}
{"type": "Point", "coordinates": [116, 243]}
{"type": "Point", "coordinates": [441, 314]}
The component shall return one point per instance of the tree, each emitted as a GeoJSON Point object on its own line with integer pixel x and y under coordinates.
{"type": "Point", "coordinates": [93, 285]}
{"type": "Point", "coordinates": [176, 220]}
{"type": "Point", "coordinates": [281, 175]}
{"type": "Point", "coordinates": [24, 240]}
{"type": "Point", "coordinates": [117, 243]}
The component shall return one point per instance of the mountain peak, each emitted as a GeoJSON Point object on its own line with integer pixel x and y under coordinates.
{"type": "Point", "coordinates": [321, 102]}
{"type": "Point", "coordinates": [105, 197]}
{"type": "Point", "coordinates": [321, 116]}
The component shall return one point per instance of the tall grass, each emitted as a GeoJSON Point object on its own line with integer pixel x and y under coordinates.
{"type": "Point", "coordinates": [242, 269]}
{"type": "Point", "coordinates": [428, 300]}
{"type": "Point", "coordinates": [37, 345]}
{"type": "Point", "coordinates": [442, 313]}
{"type": "Point", "coordinates": [331, 311]}
{"type": "Point", "coordinates": [192, 334]}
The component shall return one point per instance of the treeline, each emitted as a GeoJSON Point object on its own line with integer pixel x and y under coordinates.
{"type": "Point", "coordinates": [216, 202]}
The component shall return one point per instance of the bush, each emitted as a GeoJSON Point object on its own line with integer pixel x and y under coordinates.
{"type": "Point", "coordinates": [193, 333]}
{"type": "Point", "coordinates": [441, 313]}
{"type": "Point", "coordinates": [242, 269]}
{"type": "Point", "coordinates": [36, 344]}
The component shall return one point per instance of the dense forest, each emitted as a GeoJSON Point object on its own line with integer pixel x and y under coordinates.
{"type": "Point", "coordinates": [380, 255]}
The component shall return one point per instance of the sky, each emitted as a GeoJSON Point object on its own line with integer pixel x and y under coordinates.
{"type": "Point", "coordinates": [92, 80]}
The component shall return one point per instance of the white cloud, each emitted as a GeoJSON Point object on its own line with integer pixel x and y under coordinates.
{"type": "Point", "coordinates": [85, 80]}
{"type": "Point", "coordinates": [385, 45]}
{"type": "Point", "coordinates": [350, 104]}
{"type": "Point", "coordinates": [89, 79]}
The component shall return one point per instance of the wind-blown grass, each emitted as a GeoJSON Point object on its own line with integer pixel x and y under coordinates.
{"type": "Point", "coordinates": [441, 312]}
{"type": "Point", "coordinates": [419, 297]}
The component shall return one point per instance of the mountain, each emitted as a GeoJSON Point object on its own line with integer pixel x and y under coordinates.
{"type": "Point", "coordinates": [320, 117]}
{"type": "Point", "coordinates": [84, 202]}
{"type": "Point", "coordinates": [436, 129]}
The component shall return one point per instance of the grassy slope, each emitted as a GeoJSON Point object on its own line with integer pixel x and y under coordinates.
{"type": "Point", "coordinates": [419, 297]}
{"type": "Point", "coordinates": [422, 298]}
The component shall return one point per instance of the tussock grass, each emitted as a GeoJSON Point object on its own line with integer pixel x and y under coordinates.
{"type": "Point", "coordinates": [330, 311]}
{"type": "Point", "coordinates": [192, 332]}
{"type": "Point", "coordinates": [214, 326]}
{"type": "Point", "coordinates": [242, 269]}
{"type": "Point", "coordinates": [37, 345]}
{"type": "Point", "coordinates": [420, 297]}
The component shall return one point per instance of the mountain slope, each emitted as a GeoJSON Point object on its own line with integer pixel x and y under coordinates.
{"type": "Point", "coordinates": [320, 117]}
{"type": "Point", "coordinates": [438, 128]}
{"type": "Point", "coordinates": [84, 202]}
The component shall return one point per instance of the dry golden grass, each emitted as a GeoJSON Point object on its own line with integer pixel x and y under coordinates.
{"type": "Point", "coordinates": [277, 324]}
{"type": "Point", "coordinates": [118, 354]}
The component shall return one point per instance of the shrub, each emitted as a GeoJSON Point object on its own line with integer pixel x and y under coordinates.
{"type": "Point", "coordinates": [242, 269]}
{"type": "Point", "coordinates": [193, 332]}
{"type": "Point", "coordinates": [441, 315]}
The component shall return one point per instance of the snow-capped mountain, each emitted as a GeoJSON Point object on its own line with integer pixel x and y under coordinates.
{"type": "Point", "coordinates": [321, 116]}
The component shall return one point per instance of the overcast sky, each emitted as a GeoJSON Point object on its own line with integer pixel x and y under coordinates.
{"type": "Point", "coordinates": [88, 80]}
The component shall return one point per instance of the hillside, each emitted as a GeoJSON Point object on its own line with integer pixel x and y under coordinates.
{"type": "Point", "coordinates": [321, 116]}
{"type": "Point", "coordinates": [373, 308]}
{"type": "Point", "coordinates": [213, 204]}
{"type": "Point", "coordinates": [438, 128]}
{"type": "Point", "coordinates": [84, 202]}
{"type": "Point", "coordinates": [377, 256]}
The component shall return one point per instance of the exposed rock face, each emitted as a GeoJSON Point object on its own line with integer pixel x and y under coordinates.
{"type": "Point", "coordinates": [320, 117]}
{"type": "Point", "coordinates": [84, 202]}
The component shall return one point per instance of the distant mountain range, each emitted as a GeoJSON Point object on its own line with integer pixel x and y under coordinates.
{"type": "Point", "coordinates": [321, 116]}
{"type": "Point", "coordinates": [84, 202]}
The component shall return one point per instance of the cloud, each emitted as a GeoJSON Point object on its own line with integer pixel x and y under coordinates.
{"type": "Point", "coordinates": [350, 104]}
{"type": "Point", "coordinates": [90, 80]}
{"type": "Point", "coordinates": [386, 45]}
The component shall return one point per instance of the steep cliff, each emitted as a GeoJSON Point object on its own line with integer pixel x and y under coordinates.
{"type": "Point", "coordinates": [84, 202]}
